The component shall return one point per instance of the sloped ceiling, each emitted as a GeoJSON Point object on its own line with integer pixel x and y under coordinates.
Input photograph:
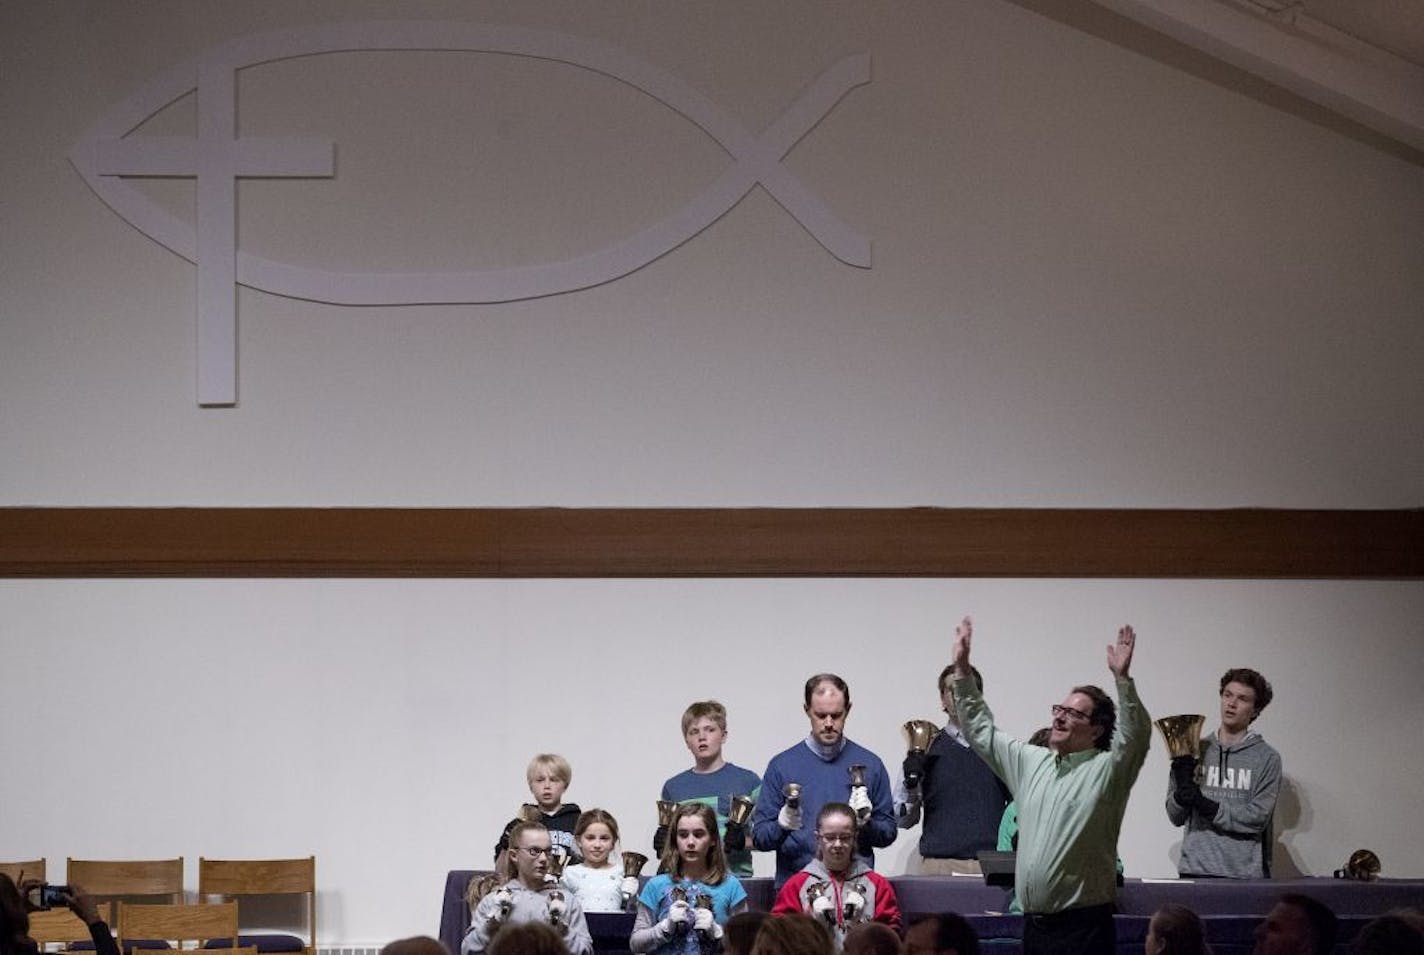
{"type": "Point", "coordinates": [1362, 60]}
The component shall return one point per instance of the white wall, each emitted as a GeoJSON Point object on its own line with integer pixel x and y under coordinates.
{"type": "Point", "coordinates": [1098, 281]}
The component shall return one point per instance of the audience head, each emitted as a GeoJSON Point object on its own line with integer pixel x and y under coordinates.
{"type": "Point", "coordinates": [14, 919]}
{"type": "Point", "coordinates": [871, 938]}
{"type": "Point", "coordinates": [940, 935]}
{"type": "Point", "coordinates": [1176, 930]}
{"type": "Point", "coordinates": [527, 938]}
{"type": "Point", "coordinates": [793, 935]}
{"type": "Point", "coordinates": [1395, 933]}
{"type": "Point", "coordinates": [836, 831]}
{"type": "Point", "coordinates": [416, 945]}
{"type": "Point", "coordinates": [1297, 925]}
{"type": "Point", "coordinates": [741, 930]}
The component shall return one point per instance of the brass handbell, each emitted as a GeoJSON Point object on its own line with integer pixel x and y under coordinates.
{"type": "Point", "coordinates": [1363, 866]}
{"type": "Point", "coordinates": [919, 734]}
{"type": "Point", "coordinates": [1182, 734]}
{"type": "Point", "coordinates": [558, 861]}
{"type": "Point", "coordinates": [740, 810]}
{"type": "Point", "coordinates": [529, 812]}
{"type": "Point", "coordinates": [633, 863]}
{"type": "Point", "coordinates": [666, 808]}
{"type": "Point", "coordinates": [793, 795]}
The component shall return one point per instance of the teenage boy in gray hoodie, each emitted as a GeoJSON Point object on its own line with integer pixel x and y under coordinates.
{"type": "Point", "coordinates": [1227, 808]}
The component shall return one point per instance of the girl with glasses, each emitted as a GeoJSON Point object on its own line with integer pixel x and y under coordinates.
{"type": "Point", "coordinates": [839, 887]}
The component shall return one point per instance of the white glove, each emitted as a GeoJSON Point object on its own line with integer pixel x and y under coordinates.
{"type": "Point", "coordinates": [825, 908]}
{"type": "Point", "coordinates": [505, 900]}
{"type": "Point", "coordinates": [629, 886]}
{"type": "Point", "coordinates": [789, 818]}
{"type": "Point", "coordinates": [704, 923]}
{"type": "Point", "coordinates": [557, 908]}
{"type": "Point", "coordinates": [674, 920]}
{"type": "Point", "coordinates": [852, 904]}
{"type": "Point", "coordinates": [860, 801]}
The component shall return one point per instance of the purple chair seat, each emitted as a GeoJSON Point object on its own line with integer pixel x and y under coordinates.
{"type": "Point", "coordinates": [263, 943]}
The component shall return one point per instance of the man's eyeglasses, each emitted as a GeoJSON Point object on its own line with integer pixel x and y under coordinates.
{"type": "Point", "coordinates": [534, 851]}
{"type": "Point", "coordinates": [836, 838]}
{"type": "Point", "coordinates": [1069, 713]}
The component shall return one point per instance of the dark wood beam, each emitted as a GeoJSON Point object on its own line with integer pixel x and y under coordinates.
{"type": "Point", "coordinates": [709, 542]}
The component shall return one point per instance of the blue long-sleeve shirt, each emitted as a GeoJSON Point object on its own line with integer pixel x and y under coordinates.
{"type": "Point", "coordinates": [822, 781]}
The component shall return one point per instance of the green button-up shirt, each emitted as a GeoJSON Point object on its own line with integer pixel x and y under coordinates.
{"type": "Point", "coordinates": [1070, 807]}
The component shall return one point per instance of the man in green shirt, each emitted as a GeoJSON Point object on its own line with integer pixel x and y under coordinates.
{"type": "Point", "coordinates": [1071, 797]}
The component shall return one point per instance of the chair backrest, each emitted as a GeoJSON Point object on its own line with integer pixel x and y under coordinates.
{"type": "Point", "coordinates": [236, 877]}
{"type": "Point", "coordinates": [61, 926]}
{"type": "Point", "coordinates": [177, 923]}
{"type": "Point", "coordinates": [34, 869]}
{"type": "Point", "coordinates": [128, 878]}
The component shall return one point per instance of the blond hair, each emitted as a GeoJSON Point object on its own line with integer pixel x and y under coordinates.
{"type": "Point", "coordinates": [552, 763]}
{"type": "Point", "coordinates": [705, 709]}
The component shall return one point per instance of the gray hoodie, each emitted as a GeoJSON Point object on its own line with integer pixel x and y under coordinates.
{"type": "Point", "coordinates": [1244, 780]}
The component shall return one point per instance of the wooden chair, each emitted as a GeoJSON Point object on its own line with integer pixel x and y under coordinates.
{"type": "Point", "coordinates": [61, 926]}
{"type": "Point", "coordinates": [178, 924]}
{"type": "Point", "coordinates": [151, 879]}
{"type": "Point", "coordinates": [27, 870]}
{"type": "Point", "coordinates": [229, 878]}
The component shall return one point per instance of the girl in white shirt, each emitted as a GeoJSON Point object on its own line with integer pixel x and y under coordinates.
{"type": "Point", "coordinates": [598, 881]}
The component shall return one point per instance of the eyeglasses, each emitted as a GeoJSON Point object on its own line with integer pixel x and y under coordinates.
{"type": "Point", "coordinates": [1068, 713]}
{"type": "Point", "coordinates": [836, 838]}
{"type": "Point", "coordinates": [534, 851]}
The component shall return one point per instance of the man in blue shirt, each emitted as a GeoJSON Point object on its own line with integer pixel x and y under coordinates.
{"type": "Point", "coordinates": [821, 765]}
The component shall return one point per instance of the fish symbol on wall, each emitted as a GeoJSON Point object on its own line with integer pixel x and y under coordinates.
{"type": "Point", "coordinates": [109, 157]}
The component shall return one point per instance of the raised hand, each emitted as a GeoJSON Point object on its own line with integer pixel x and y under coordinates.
{"type": "Point", "coordinates": [1120, 654]}
{"type": "Point", "coordinates": [963, 636]}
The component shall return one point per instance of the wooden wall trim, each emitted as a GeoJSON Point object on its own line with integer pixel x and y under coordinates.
{"type": "Point", "coordinates": [708, 542]}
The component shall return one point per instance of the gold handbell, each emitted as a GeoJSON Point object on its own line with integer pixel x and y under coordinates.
{"type": "Point", "coordinates": [529, 812]}
{"type": "Point", "coordinates": [633, 863]}
{"type": "Point", "coordinates": [1182, 734]}
{"type": "Point", "coordinates": [1363, 866]}
{"type": "Point", "coordinates": [815, 890]}
{"type": "Point", "coordinates": [740, 810]}
{"type": "Point", "coordinates": [919, 734]}
{"type": "Point", "coordinates": [665, 810]}
{"type": "Point", "coordinates": [558, 861]}
{"type": "Point", "coordinates": [793, 795]}
{"type": "Point", "coordinates": [704, 901]}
